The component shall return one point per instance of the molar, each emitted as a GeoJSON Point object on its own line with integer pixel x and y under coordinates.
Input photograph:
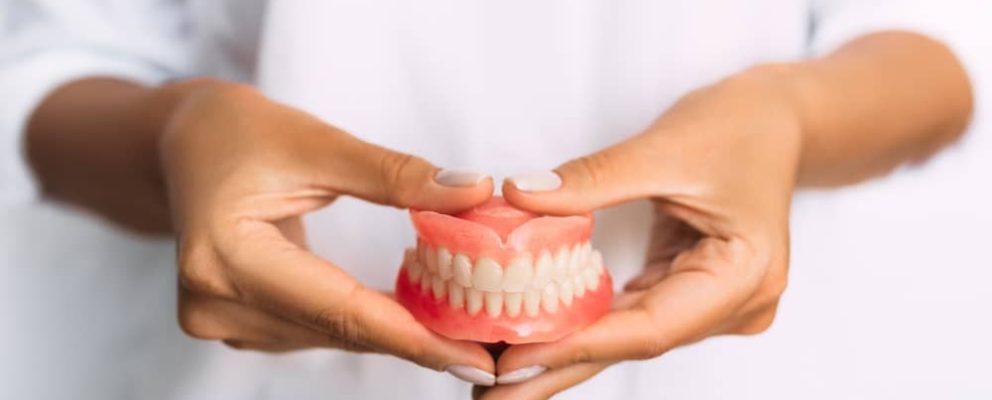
{"type": "Point", "coordinates": [579, 284]}
{"type": "Point", "coordinates": [565, 292]}
{"type": "Point", "coordinates": [575, 260]}
{"type": "Point", "coordinates": [444, 263]}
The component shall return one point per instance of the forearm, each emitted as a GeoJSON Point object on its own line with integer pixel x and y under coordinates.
{"type": "Point", "coordinates": [93, 143]}
{"type": "Point", "coordinates": [876, 103]}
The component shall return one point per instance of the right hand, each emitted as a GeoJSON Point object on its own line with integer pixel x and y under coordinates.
{"type": "Point", "coordinates": [241, 170]}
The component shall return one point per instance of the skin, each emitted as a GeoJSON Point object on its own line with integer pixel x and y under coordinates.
{"type": "Point", "coordinates": [236, 171]}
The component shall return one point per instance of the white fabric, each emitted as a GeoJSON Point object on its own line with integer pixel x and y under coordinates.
{"type": "Point", "coordinates": [886, 297]}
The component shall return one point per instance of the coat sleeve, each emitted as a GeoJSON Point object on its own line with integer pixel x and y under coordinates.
{"type": "Point", "coordinates": [47, 43]}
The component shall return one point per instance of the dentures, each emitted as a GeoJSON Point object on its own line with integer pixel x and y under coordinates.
{"type": "Point", "coordinates": [497, 273]}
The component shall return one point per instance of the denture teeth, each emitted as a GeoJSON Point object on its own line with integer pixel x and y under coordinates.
{"type": "Point", "coordinates": [591, 278]}
{"type": "Point", "coordinates": [596, 262]}
{"type": "Point", "coordinates": [586, 252]}
{"type": "Point", "coordinates": [579, 285]}
{"type": "Point", "coordinates": [565, 292]}
{"type": "Point", "coordinates": [473, 301]}
{"type": "Point", "coordinates": [430, 260]}
{"type": "Point", "coordinates": [414, 271]}
{"type": "Point", "coordinates": [532, 302]}
{"type": "Point", "coordinates": [444, 263]}
{"type": "Point", "coordinates": [561, 264]}
{"type": "Point", "coordinates": [425, 282]}
{"type": "Point", "coordinates": [439, 287]}
{"type": "Point", "coordinates": [456, 295]}
{"type": "Point", "coordinates": [549, 298]}
{"type": "Point", "coordinates": [462, 267]}
{"type": "Point", "coordinates": [488, 275]}
{"type": "Point", "coordinates": [543, 269]}
{"type": "Point", "coordinates": [575, 261]}
{"type": "Point", "coordinates": [494, 303]}
{"type": "Point", "coordinates": [514, 301]}
{"type": "Point", "coordinates": [518, 274]}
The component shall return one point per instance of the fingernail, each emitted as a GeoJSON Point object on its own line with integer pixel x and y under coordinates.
{"type": "Point", "coordinates": [472, 375]}
{"type": "Point", "coordinates": [521, 375]}
{"type": "Point", "coordinates": [541, 181]}
{"type": "Point", "coordinates": [459, 177]}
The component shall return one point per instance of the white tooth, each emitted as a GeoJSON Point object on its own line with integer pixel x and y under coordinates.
{"type": "Point", "coordinates": [513, 303]}
{"type": "Point", "coordinates": [549, 298]}
{"type": "Point", "coordinates": [494, 303]}
{"type": "Point", "coordinates": [463, 270]}
{"type": "Point", "coordinates": [425, 282]}
{"type": "Point", "coordinates": [532, 302]}
{"type": "Point", "coordinates": [414, 270]}
{"type": "Point", "coordinates": [430, 260]}
{"type": "Point", "coordinates": [456, 295]}
{"type": "Point", "coordinates": [422, 252]}
{"type": "Point", "coordinates": [543, 269]}
{"type": "Point", "coordinates": [579, 285]}
{"type": "Point", "coordinates": [592, 279]}
{"type": "Point", "coordinates": [586, 253]}
{"type": "Point", "coordinates": [561, 264]}
{"type": "Point", "coordinates": [473, 301]}
{"type": "Point", "coordinates": [488, 275]}
{"type": "Point", "coordinates": [518, 274]}
{"type": "Point", "coordinates": [565, 292]}
{"type": "Point", "coordinates": [575, 261]}
{"type": "Point", "coordinates": [596, 261]}
{"type": "Point", "coordinates": [444, 263]}
{"type": "Point", "coordinates": [409, 255]}
{"type": "Point", "coordinates": [439, 287]}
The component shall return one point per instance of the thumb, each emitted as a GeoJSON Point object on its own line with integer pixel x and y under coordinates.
{"type": "Point", "coordinates": [626, 171]}
{"type": "Point", "coordinates": [388, 177]}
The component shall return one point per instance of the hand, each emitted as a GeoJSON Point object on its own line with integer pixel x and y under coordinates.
{"type": "Point", "coordinates": [241, 171]}
{"type": "Point", "coordinates": [720, 167]}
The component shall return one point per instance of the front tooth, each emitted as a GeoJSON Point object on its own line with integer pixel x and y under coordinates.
{"type": "Point", "coordinates": [414, 269]}
{"type": "Point", "coordinates": [575, 261]}
{"type": "Point", "coordinates": [456, 295]}
{"type": "Point", "coordinates": [549, 298]}
{"type": "Point", "coordinates": [543, 269]}
{"type": "Point", "coordinates": [592, 279]}
{"type": "Point", "coordinates": [518, 274]}
{"type": "Point", "coordinates": [513, 303]}
{"type": "Point", "coordinates": [473, 301]}
{"type": "Point", "coordinates": [579, 285]}
{"type": "Point", "coordinates": [430, 260]}
{"type": "Point", "coordinates": [565, 292]}
{"type": "Point", "coordinates": [462, 266]}
{"type": "Point", "coordinates": [439, 287]}
{"type": "Point", "coordinates": [561, 264]}
{"type": "Point", "coordinates": [494, 303]}
{"type": "Point", "coordinates": [532, 302]}
{"type": "Point", "coordinates": [444, 263]}
{"type": "Point", "coordinates": [488, 275]}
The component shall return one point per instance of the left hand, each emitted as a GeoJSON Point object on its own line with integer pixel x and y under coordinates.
{"type": "Point", "coordinates": [720, 167]}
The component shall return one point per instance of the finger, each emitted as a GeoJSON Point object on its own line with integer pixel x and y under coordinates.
{"type": "Point", "coordinates": [707, 286]}
{"type": "Point", "coordinates": [212, 318]}
{"type": "Point", "coordinates": [626, 171]}
{"type": "Point", "coordinates": [288, 281]}
{"type": "Point", "coordinates": [543, 386]}
{"type": "Point", "coordinates": [384, 176]}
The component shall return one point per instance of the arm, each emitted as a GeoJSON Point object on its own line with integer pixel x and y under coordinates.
{"type": "Point", "coordinates": [721, 166]}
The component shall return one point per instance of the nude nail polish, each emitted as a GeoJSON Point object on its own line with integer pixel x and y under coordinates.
{"type": "Point", "coordinates": [541, 181]}
{"type": "Point", "coordinates": [459, 177]}
{"type": "Point", "coordinates": [472, 375]}
{"type": "Point", "coordinates": [521, 375]}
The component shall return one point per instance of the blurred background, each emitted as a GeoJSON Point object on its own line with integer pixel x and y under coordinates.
{"type": "Point", "coordinates": [888, 295]}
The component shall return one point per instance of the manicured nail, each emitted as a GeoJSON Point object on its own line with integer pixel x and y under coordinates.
{"type": "Point", "coordinates": [521, 375]}
{"type": "Point", "coordinates": [459, 177]}
{"type": "Point", "coordinates": [541, 181]}
{"type": "Point", "coordinates": [472, 375]}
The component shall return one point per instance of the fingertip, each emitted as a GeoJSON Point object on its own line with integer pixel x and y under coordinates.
{"type": "Point", "coordinates": [453, 190]}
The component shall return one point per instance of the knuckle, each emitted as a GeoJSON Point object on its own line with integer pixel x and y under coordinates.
{"type": "Point", "coordinates": [760, 324]}
{"type": "Point", "coordinates": [197, 323]}
{"type": "Point", "coordinates": [340, 322]}
{"type": "Point", "coordinates": [200, 270]}
{"type": "Point", "coordinates": [394, 188]}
